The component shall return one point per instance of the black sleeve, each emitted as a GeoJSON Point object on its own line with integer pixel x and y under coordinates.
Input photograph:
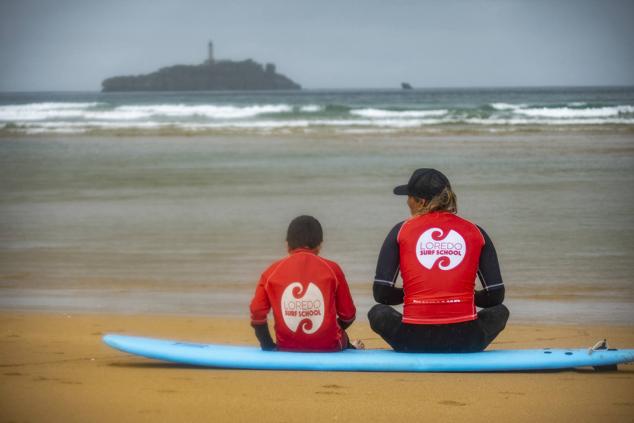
{"type": "Point", "coordinates": [387, 268]}
{"type": "Point", "coordinates": [344, 325]}
{"type": "Point", "coordinates": [264, 336]}
{"type": "Point", "coordinates": [489, 274]}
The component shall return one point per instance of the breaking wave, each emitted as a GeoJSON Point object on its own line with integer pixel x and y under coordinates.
{"type": "Point", "coordinates": [85, 117]}
{"type": "Point", "coordinates": [41, 111]}
{"type": "Point", "coordinates": [506, 106]}
{"type": "Point", "coordinates": [380, 113]}
{"type": "Point", "coordinates": [567, 112]}
{"type": "Point", "coordinates": [310, 108]}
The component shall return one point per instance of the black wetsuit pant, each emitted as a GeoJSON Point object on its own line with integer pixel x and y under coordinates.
{"type": "Point", "coordinates": [471, 336]}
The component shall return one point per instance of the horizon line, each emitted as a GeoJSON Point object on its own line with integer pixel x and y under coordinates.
{"type": "Point", "coordinates": [415, 88]}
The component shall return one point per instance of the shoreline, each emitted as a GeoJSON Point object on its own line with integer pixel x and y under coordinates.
{"type": "Point", "coordinates": [361, 317]}
{"type": "Point", "coordinates": [56, 368]}
{"type": "Point", "coordinates": [435, 131]}
{"type": "Point", "coordinates": [560, 304]}
{"type": "Point", "coordinates": [543, 309]}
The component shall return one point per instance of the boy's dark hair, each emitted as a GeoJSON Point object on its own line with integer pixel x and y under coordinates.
{"type": "Point", "coordinates": [304, 231]}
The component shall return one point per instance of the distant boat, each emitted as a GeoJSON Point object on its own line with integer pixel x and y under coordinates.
{"type": "Point", "coordinates": [406, 86]}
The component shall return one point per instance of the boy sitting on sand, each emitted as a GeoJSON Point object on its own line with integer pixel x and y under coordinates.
{"type": "Point", "coordinates": [309, 296]}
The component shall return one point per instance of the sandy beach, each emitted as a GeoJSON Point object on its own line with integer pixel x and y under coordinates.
{"type": "Point", "coordinates": [55, 368]}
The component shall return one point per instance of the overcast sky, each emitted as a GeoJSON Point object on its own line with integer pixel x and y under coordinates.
{"type": "Point", "coordinates": [74, 44]}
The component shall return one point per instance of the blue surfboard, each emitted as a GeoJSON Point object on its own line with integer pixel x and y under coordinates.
{"type": "Point", "coordinates": [242, 357]}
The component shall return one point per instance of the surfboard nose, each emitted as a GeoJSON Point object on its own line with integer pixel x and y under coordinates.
{"type": "Point", "coordinates": [110, 339]}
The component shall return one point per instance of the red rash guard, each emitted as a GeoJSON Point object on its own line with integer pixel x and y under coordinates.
{"type": "Point", "coordinates": [439, 256]}
{"type": "Point", "coordinates": [307, 293]}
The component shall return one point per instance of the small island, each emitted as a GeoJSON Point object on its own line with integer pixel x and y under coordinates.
{"type": "Point", "coordinates": [210, 75]}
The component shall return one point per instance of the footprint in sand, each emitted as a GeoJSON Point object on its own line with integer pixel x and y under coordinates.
{"type": "Point", "coordinates": [42, 379]}
{"type": "Point", "coordinates": [452, 403]}
{"type": "Point", "coordinates": [69, 382]}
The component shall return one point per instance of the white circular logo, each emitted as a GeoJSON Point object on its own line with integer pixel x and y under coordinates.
{"type": "Point", "coordinates": [303, 309]}
{"type": "Point", "coordinates": [447, 250]}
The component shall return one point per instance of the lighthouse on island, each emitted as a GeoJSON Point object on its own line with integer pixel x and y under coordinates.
{"type": "Point", "coordinates": [210, 53]}
{"type": "Point", "coordinates": [210, 75]}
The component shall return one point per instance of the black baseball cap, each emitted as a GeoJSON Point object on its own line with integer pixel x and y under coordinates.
{"type": "Point", "coordinates": [424, 183]}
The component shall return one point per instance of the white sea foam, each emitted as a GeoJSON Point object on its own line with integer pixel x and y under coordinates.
{"type": "Point", "coordinates": [311, 108]}
{"type": "Point", "coordinates": [567, 112]}
{"type": "Point", "coordinates": [306, 124]}
{"type": "Point", "coordinates": [547, 122]}
{"type": "Point", "coordinates": [50, 106]}
{"type": "Point", "coordinates": [117, 114]}
{"type": "Point", "coordinates": [62, 127]}
{"type": "Point", "coordinates": [507, 106]}
{"type": "Point", "coordinates": [87, 125]}
{"type": "Point", "coordinates": [207, 110]}
{"type": "Point", "coordinates": [380, 113]}
{"type": "Point", "coordinates": [45, 111]}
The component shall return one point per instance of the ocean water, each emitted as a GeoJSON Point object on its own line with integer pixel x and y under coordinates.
{"type": "Point", "coordinates": [344, 111]}
{"type": "Point", "coordinates": [140, 219]}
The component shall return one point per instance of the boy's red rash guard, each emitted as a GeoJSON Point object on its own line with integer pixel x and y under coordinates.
{"type": "Point", "coordinates": [307, 293]}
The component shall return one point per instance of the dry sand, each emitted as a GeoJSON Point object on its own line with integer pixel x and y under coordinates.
{"type": "Point", "coordinates": [54, 367]}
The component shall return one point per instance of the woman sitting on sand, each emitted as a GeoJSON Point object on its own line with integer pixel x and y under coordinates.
{"type": "Point", "coordinates": [439, 255]}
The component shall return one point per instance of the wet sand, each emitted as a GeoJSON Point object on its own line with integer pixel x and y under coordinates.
{"type": "Point", "coordinates": [54, 367]}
